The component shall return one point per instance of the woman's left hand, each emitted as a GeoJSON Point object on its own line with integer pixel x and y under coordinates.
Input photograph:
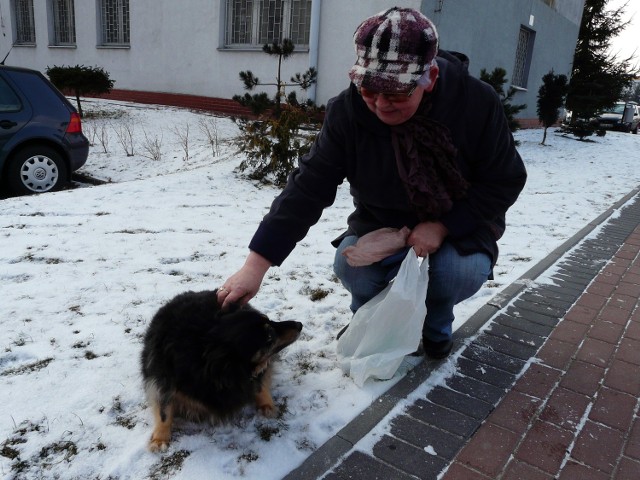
{"type": "Point", "coordinates": [426, 237]}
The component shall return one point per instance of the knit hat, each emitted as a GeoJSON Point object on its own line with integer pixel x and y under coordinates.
{"type": "Point", "coordinates": [395, 50]}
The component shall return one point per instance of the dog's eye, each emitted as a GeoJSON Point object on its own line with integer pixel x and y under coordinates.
{"type": "Point", "coordinates": [271, 334]}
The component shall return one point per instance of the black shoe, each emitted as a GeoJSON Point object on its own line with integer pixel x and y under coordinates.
{"type": "Point", "coordinates": [344, 329]}
{"type": "Point", "coordinates": [437, 350]}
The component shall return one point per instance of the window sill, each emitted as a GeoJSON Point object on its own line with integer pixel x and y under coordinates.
{"type": "Point", "coordinates": [64, 47]}
{"type": "Point", "coordinates": [114, 47]}
{"type": "Point", "coordinates": [28, 45]}
{"type": "Point", "coordinates": [257, 48]}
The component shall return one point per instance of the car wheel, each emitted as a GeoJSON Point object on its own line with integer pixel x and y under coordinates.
{"type": "Point", "coordinates": [36, 169]}
{"type": "Point", "coordinates": [635, 130]}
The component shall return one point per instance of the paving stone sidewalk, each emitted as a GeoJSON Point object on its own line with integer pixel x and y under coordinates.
{"type": "Point", "coordinates": [547, 382]}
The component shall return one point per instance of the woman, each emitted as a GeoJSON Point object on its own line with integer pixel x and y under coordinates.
{"type": "Point", "coordinates": [422, 145]}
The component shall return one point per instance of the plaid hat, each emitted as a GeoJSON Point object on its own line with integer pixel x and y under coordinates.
{"type": "Point", "coordinates": [395, 48]}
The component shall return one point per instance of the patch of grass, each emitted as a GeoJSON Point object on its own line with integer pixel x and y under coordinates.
{"type": "Point", "coordinates": [103, 114]}
{"type": "Point", "coordinates": [66, 448]}
{"type": "Point", "coordinates": [248, 457]}
{"type": "Point", "coordinates": [315, 294]}
{"type": "Point", "coordinates": [267, 432]}
{"type": "Point", "coordinates": [169, 465]}
{"type": "Point", "coordinates": [7, 449]}
{"type": "Point", "coordinates": [29, 368]}
{"type": "Point", "coordinates": [126, 422]}
{"type": "Point", "coordinates": [305, 363]}
{"type": "Point", "coordinates": [89, 355]}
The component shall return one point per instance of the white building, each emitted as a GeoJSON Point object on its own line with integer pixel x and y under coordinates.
{"type": "Point", "coordinates": [198, 47]}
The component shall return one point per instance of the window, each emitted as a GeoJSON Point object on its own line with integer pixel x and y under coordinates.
{"type": "Point", "coordinates": [9, 102]}
{"type": "Point", "coordinates": [114, 20]}
{"type": "Point", "coordinates": [523, 57]}
{"type": "Point", "coordinates": [63, 21]}
{"type": "Point", "coordinates": [25, 26]}
{"type": "Point", "coordinates": [256, 22]}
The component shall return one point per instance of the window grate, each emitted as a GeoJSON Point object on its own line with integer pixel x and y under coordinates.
{"type": "Point", "coordinates": [271, 21]}
{"type": "Point", "coordinates": [115, 22]}
{"type": "Point", "coordinates": [64, 22]}
{"type": "Point", "coordinates": [523, 58]}
{"type": "Point", "coordinates": [25, 26]}
{"type": "Point", "coordinates": [300, 21]}
{"type": "Point", "coordinates": [256, 22]}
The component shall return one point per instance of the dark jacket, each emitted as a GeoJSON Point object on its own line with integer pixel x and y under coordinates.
{"type": "Point", "coordinates": [354, 144]}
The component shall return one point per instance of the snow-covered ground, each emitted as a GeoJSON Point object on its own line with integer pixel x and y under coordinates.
{"type": "Point", "coordinates": [82, 272]}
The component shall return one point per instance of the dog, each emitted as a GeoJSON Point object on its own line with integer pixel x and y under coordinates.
{"type": "Point", "coordinates": [204, 363]}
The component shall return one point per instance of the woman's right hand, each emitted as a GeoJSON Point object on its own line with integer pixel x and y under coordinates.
{"type": "Point", "coordinates": [243, 285]}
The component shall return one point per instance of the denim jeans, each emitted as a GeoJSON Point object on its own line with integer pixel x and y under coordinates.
{"type": "Point", "coordinates": [452, 279]}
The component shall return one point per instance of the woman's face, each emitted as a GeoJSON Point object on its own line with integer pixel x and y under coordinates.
{"type": "Point", "coordinates": [393, 109]}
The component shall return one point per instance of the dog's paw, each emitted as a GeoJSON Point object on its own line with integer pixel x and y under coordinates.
{"type": "Point", "coordinates": [268, 410]}
{"type": "Point", "coordinates": [158, 445]}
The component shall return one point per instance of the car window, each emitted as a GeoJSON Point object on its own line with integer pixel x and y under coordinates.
{"type": "Point", "coordinates": [9, 101]}
{"type": "Point", "coordinates": [619, 108]}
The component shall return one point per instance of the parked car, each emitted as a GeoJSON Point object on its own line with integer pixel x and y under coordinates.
{"type": "Point", "coordinates": [41, 139]}
{"type": "Point", "coordinates": [623, 117]}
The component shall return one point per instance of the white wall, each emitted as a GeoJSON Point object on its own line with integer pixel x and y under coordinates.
{"type": "Point", "coordinates": [338, 21]}
{"type": "Point", "coordinates": [175, 45]}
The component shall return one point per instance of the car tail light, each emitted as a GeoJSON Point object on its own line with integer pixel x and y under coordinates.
{"type": "Point", "coordinates": [75, 125]}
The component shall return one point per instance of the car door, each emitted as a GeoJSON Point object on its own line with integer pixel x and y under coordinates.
{"type": "Point", "coordinates": [15, 112]}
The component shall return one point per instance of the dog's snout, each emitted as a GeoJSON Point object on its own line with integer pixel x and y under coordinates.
{"type": "Point", "coordinates": [288, 325]}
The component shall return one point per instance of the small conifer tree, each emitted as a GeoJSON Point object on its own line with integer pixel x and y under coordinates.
{"type": "Point", "coordinates": [80, 80]}
{"type": "Point", "coordinates": [497, 79]}
{"type": "Point", "coordinates": [274, 141]}
{"type": "Point", "coordinates": [551, 96]}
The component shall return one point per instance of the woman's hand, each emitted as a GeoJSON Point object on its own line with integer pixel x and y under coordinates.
{"type": "Point", "coordinates": [427, 237]}
{"type": "Point", "coordinates": [243, 285]}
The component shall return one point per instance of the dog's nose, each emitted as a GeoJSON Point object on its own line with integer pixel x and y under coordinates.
{"type": "Point", "coordinates": [298, 326]}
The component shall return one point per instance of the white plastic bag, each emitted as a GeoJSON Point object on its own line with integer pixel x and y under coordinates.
{"type": "Point", "coordinates": [387, 327]}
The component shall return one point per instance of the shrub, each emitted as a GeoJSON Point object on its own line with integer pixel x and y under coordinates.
{"type": "Point", "coordinates": [274, 141]}
{"type": "Point", "coordinates": [80, 81]}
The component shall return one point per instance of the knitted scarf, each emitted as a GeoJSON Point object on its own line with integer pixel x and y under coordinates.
{"type": "Point", "coordinates": [426, 159]}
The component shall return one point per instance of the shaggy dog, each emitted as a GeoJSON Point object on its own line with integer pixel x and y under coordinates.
{"type": "Point", "coordinates": [201, 362]}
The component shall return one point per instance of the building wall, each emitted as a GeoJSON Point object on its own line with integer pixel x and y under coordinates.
{"type": "Point", "coordinates": [176, 46]}
{"type": "Point", "coordinates": [489, 36]}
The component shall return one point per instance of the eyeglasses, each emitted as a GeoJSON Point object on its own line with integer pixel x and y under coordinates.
{"type": "Point", "coordinates": [391, 97]}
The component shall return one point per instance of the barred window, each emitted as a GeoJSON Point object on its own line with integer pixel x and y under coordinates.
{"type": "Point", "coordinates": [63, 22]}
{"type": "Point", "coordinates": [24, 24]}
{"type": "Point", "coordinates": [523, 57]}
{"type": "Point", "coordinates": [256, 22]}
{"type": "Point", "coordinates": [114, 21]}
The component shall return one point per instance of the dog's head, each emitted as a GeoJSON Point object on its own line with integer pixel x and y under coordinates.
{"type": "Point", "coordinates": [253, 337]}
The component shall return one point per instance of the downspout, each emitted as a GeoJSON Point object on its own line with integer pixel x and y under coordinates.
{"type": "Point", "coordinates": [314, 43]}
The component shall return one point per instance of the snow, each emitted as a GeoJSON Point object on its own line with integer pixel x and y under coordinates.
{"type": "Point", "coordinates": [83, 271]}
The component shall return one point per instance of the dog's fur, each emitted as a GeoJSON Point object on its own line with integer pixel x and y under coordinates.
{"type": "Point", "coordinates": [201, 362]}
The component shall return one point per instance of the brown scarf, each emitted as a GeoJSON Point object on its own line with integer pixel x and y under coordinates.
{"type": "Point", "coordinates": [426, 159]}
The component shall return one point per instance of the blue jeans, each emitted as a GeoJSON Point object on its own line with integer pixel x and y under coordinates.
{"type": "Point", "coordinates": [452, 279]}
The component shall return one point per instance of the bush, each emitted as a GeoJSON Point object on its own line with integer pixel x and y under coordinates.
{"type": "Point", "coordinates": [275, 140]}
{"type": "Point", "coordinates": [497, 79]}
{"type": "Point", "coordinates": [80, 80]}
{"type": "Point", "coordinates": [551, 96]}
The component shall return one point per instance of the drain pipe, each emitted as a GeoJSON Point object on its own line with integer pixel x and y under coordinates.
{"type": "Point", "coordinates": [314, 43]}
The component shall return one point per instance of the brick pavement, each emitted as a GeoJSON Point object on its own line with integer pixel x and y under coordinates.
{"type": "Point", "coordinates": [548, 389]}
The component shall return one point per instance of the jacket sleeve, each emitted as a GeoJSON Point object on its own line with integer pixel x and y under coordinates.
{"type": "Point", "coordinates": [310, 188]}
{"type": "Point", "coordinates": [490, 162]}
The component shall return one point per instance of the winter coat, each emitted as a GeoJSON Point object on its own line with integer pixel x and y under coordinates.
{"type": "Point", "coordinates": [355, 145]}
